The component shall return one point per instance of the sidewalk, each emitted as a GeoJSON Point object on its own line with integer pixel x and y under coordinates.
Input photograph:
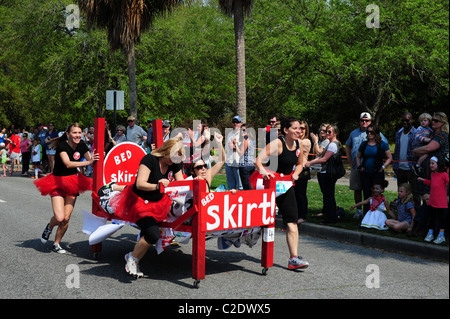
{"type": "Point", "coordinates": [401, 246]}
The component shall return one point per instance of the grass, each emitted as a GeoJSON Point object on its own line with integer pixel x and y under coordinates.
{"type": "Point", "coordinates": [344, 199]}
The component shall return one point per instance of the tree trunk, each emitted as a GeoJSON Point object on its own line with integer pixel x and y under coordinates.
{"type": "Point", "coordinates": [241, 94]}
{"type": "Point", "coordinates": [132, 81]}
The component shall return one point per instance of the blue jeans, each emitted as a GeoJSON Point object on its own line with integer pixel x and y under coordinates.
{"type": "Point", "coordinates": [245, 172]}
{"type": "Point", "coordinates": [327, 186]}
{"type": "Point", "coordinates": [233, 178]}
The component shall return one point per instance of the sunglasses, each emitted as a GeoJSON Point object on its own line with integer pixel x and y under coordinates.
{"type": "Point", "coordinates": [370, 132]}
{"type": "Point", "coordinates": [365, 121]}
{"type": "Point", "coordinates": [302, 128]}
{"type": "Point", "coordinates": [201, 166]}
{"type": "Point", "coordinates": [119, 130]}
{"type": "Point", "coordinates": [329, 132]}
{"type": "Point", "coordinates": [435, 121]}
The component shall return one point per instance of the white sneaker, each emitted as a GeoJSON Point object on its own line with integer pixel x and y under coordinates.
{"type": "Point", "coordinates": [429, 238]}
{"type": "Point", "coordinates": [132, 266]}
{"type": "Point", "coordinates": [58, 249]}
{"type": "Point", "coordinates": [439, 240]}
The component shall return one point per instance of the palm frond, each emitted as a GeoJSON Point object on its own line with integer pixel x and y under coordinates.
{"type": "Point", "coordinates": [227, 7]}
{"type": "Point", "coordinates": [125, 19]}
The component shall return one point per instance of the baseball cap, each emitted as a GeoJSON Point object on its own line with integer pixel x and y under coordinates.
{"type": "Point", "coordinates": [365, 115]}
{"type": "Point", "coordinates": [166, 123]}
{"type": "Point", "coordinates": [131, 118]}
{"type": "Point", "coordinates": [237, 118]}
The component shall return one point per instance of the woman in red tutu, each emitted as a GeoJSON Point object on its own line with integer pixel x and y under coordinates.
{"type": "Point", "coordinates": [143, 203]}
{"type": "Point", "coordinates": [65, 183]}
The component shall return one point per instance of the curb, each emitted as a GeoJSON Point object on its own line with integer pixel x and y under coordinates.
{"type": "Point", "coordinates": [401, 246]}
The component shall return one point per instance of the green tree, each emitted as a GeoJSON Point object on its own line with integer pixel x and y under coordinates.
{"type": "Point", "coordinates": [239, 8]}
{"type": "Point", "coordinates": [125, 21]}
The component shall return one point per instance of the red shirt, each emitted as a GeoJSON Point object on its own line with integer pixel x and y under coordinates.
{"type": "Point", "coordinates": [14, 139]}
{"type": "Point", "coordinates": [438, 189]}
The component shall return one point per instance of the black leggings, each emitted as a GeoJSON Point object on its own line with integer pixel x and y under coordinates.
{"type": "Point", "coordinates": [438, 213]}
{"type": "Point", "coordinates": [149, 229]}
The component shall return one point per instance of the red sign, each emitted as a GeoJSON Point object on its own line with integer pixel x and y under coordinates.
{"type": "Point", "coordinates": [223, 210]}
{"type": "Point", "coordinates": [122, 163]}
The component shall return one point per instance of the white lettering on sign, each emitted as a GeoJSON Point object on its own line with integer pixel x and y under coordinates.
{"type": "Point", "coordinates": [235, 215]}
{"type": "Point", "coordinates": [122, 177]}
{"type": "Point", "coordinates": [207, 199]}
{"type": "Point", "coordinates": [122, 157]}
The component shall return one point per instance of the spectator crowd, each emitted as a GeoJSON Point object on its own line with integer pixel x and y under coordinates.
{"type": "Point", "coordinates": [419, 161]}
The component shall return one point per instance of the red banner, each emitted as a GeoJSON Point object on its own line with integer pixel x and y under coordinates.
{"type": "Point", "coordinates": [224, 210]}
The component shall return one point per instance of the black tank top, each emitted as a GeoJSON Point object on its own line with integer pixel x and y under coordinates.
{"type": "Point", "coordinates": [287, 159]}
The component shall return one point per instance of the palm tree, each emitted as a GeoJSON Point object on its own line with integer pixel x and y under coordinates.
{"type": "Point", "coordinates": [239, 8]}
{"type": "Point", "coordinates": [124, 21]}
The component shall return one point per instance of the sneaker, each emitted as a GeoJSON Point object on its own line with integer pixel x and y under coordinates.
{"type": "Point", "coordinates": [429, 238]}
{"type": "Point", "coordinates": [439, 240]}
{"type": "Point", "coordinates": [132, 266]}
{"type": "Point", "coordinates": [358, 215]}
{"type": "Point", "coordinates": [58, 249]}
{"type": "Point", "coordinates": [46, 234]}
{"type": "Point", "coordinates": [297, 262]}
{"type": "Point", "coordinates": [418, 171]}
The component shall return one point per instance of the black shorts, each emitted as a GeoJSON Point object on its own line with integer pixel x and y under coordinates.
{"type": "Point", "coordinates": [149, 229]}
{"type": "Point", "coordinates": [287, 206]}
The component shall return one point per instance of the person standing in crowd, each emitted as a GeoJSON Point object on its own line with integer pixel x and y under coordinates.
{"type": "Point", "coordinates": [14, 150]}
{"type": "Point", "coordinates": [287, 149]}
{"type": "Point", "coordinates": [246, 156]}
{"type": "Point", "coordinates": [272, 124]}
{"type": "Point", "coordinates": [3, 135]}
{"type": "Point", "coordinates": [352, 145]}
{"type": "Point", "coordinates": [232, 156]}
{"type": "Point", "coordinates": [143, 203]}
{"type": "Point", "coordinates": [370, 158]}
{"type": "Point", "coordinates": [3, 158]}
{"type": "Point", "coordinates": [438, 146]}
{"type": "Point", "coordinates": [120, 135]}
{"type": "Point", "coordinates": [166, 130]}
{"type": "Point", "coordinates": [25, 149]}
{"type": "Point", "coordinates": [49, 136]}
{"type": "Point", "coordinates": [135, 133]}
{"type": "Point", "coordinates": [327, 182]}
{"type": "Point", "coordinates": [422, 137]}
{"type": "Point", "coordinates": [403, 152]}
{"type": "Point", "coordinates": [438, 201]}
{"type": "Point", "coordinates": [149, 141]}
{"type": "Point", "coordinates": [65, 183]}
{"type": "Point", "coordinates": [301, 185]}
{"type": "Point", "coordinates": [320, 140]}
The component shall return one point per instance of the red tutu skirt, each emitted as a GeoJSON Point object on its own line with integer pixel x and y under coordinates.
{"type": "Point", "coordinates": [130, 207]}
{"type": "Point", "coordinates": [71, 185]}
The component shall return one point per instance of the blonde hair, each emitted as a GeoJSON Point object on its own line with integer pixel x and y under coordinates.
{"type": "Point", "coordinates": [441, 116]}
{"type": "Point", "coordinates": [410, 196]}
{"type": "Point", "coordinates": [170, 148]}
{"type": "Point", "coordinates": [424, 116]}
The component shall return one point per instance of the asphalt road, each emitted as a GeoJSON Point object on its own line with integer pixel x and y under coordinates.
{"type": "Point", "coordinates": [28, 269]}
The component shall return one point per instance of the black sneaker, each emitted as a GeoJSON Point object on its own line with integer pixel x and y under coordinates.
{"type": "Point", "coordinates": [46, 234]}
{"type": "Point", "coordinates": [418, 171]}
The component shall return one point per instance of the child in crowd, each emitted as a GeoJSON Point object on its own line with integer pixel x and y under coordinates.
{"type": "Point", "coordinates": [422, 136]}
{"type": "Point", "coordinates": [4, 158]}
{"type": "Point", "coordinates": [36, 157]}
{"type": "Point", "coordinates": [438, 201]}
{"type": "Point", "coordinates": [405, 209]}
{"type": "Point", "coordinates": [375, 217]}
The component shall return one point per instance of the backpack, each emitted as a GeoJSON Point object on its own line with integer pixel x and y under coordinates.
{"type": "Point", "coordinates": [335, 166]}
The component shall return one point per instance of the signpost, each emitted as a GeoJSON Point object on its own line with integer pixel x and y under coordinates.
{"type": "Point", "coordinates": [115, 101]}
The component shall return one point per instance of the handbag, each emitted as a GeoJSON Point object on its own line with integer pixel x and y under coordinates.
{"type": "Point", "coordinates": [335, 166]}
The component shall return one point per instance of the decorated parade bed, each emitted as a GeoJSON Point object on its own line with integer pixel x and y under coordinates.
{"type": "Point", "coordinates": [236, 218]}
